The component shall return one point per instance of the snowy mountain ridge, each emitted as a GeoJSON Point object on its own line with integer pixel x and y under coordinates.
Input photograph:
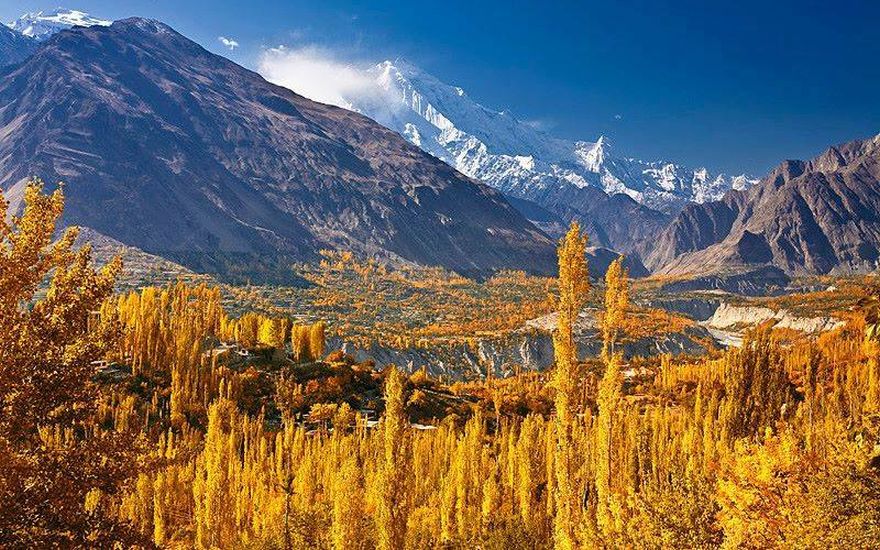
{"type": "Point", "coordinates": [492, 146]}
{"type": "Point", "coordinates": [518, 159]}
{"type": "Point", "coordinates": [41, 25]}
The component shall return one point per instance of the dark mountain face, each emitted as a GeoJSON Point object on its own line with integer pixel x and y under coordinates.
{"type": "Point", "coordinates": [696, 227]}
{"type": "Point", "coordinates": [14, 46]}
{"type": "Point", "coordinates": [810, 217]}
{"type": "Point", "coordinates": [186, 155]}
{"type": "Point", "coordinates": [612, 221]}
{"type": "Point", "coordinates": [599, 260]}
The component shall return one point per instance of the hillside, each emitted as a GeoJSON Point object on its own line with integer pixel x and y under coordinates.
{"type": "Point", "coordinates": [186, 155]}
{"type": "Point", "coordinates": [806, 217]}
{"type": "Point", "coordinates": [14, 46]}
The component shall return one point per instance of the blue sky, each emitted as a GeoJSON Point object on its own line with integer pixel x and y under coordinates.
{"type": "Point", "coordinates": [734, 86]}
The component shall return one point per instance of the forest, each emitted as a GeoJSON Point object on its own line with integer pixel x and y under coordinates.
{"type": "Point", "coordinates": [162, 417]}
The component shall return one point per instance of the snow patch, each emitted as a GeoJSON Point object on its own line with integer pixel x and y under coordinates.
{"type": "Point", "coordinates": [41, 25]}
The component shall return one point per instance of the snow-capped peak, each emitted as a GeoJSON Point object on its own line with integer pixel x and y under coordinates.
{"type": "Point", "coordinates": [43, 24]}
{"type": "Point", "coordinates": [449, 107]}
{"type": "Point", "coordinates": [594, 155]}
{"type": "Point", "coordinates": [512, 155]}
{"type": "Point", "coordinates": [517, 158]}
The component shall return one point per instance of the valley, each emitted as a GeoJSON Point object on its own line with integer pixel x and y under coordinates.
{"type": "Point", "coordinates": [246, 304]}
{"type": "Point", "coordinates": [461, 329]}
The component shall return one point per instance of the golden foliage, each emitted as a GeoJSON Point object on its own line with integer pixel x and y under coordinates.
{"type": "Point", "coordinates": [771, 445]}
{"type": "Point", "coordinates": [55, 462]}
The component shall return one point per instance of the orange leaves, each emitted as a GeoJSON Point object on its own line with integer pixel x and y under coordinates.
{"type": "Point", "coordinates": [647, 323]}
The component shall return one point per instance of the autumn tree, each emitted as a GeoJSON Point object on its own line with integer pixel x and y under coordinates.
{"type": "Point", "coordinates": [393, 505]}
{"type": "Point", "coordinates": [616, 303]}
{"type": "Point", "coordinates": [610, 392]}
{"type": "Point", "coordinates": [574, 284]}
{"type": "Point", "coordinates": [348, 503]}
{"type": "Point", "coordinates": [608, 400]}
{"type": "Point", "coordinates": [300, 343]}
{"type": "Point", "coordinates": [317, 340]}
{"type": "Point", "coordinates": [51, 456]}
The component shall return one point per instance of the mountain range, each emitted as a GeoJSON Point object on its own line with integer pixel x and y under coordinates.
{"type": "Point", "coordinates": [806, 217]}
{"type": "Point", "coordinates": [41, 25]}
{"type": "Point", "coordinates": [186, 155]}
{"type": "Point", "coordinates": [619, 199]}
{"type": "Point", "coordinates": [21, 37]}
{"type": "Point", "coordinates": [515, 157]}
{"type": "Point", "coordinates": [677, 220]}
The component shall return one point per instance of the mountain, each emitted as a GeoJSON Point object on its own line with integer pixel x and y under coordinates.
{"type": "Point", "coordinates": [696, 227]}
{"type": "Point", "coordinates": [598, 257]}
{"type": "Point", "coordinates": [599, 260]}
{"type": "Point", "coordinates": [552, 224]}
{"type": "Point", "coordinates": [515, 157]}
{"type": "Point", "coordinates": [41, 25]}
{"type": "Point", "coordinates": [14, 46]}
{"type": "Point", "coordinates": [613, 221]}
{"type": "Point", "coordinates": [806, 217]}
{"type": "Point", "coordinates": [188, 156]}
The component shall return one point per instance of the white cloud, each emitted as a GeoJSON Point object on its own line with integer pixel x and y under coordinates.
{"type": "Point", "coordinates": [318, 74]}
{"type": "Point", "coordinates": [228, 42]}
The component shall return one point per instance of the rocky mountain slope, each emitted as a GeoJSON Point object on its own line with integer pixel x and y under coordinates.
{"type": "Point", "coordinates": [186, 155]}
{"type": "Point", "coordinates": [805, 217]}
{"type": "Point", "coordinates": [696, 227]}
{"type": "Point", "coordinates": [530, 347]}
{"type": "Point", "coordinates": [14, 46]}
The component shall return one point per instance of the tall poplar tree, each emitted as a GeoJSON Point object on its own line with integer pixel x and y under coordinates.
{"type": "Point", "coordinates": [393, 506]}
{"type": "Point", "coordinates": [574, 284]}
{"type": "Point", "coordinates": [616, 303]}
{"type": "Point", "coordinates": [610, 389]}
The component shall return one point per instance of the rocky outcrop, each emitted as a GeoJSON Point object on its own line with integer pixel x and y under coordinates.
{"type": "Point", "coordinates": [698, 307]}
{"type": "Point", "coordinates": [731, 317]}
{"type": "Point", "coordinates": [747, 281]}
{"type": "Point", "coordinates": [527, 350]}
{"type": "Point", "coordinates": [530, 348]}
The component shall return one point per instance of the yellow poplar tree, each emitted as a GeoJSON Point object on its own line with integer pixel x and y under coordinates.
{"type": "Point", "coordinates": [610, 392]}
{"type": "Point", "coordinates": [347, 505]}
{"type": "Point", "coordinates": [316, 340]}
{"type": "Point", "coordinates": [574, 284]}
{"type": "Point", "coordinates": [608, 399]}
{"type": "Point", "coordinates": [393, 505]}
{"type": "Point", "coordinates": [616, 304]}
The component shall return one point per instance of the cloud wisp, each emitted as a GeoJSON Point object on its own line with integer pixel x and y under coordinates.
{"type": "Point", "coordinates": [318, 74]}
{"type": "Point", "coordinates": [228, 42]}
